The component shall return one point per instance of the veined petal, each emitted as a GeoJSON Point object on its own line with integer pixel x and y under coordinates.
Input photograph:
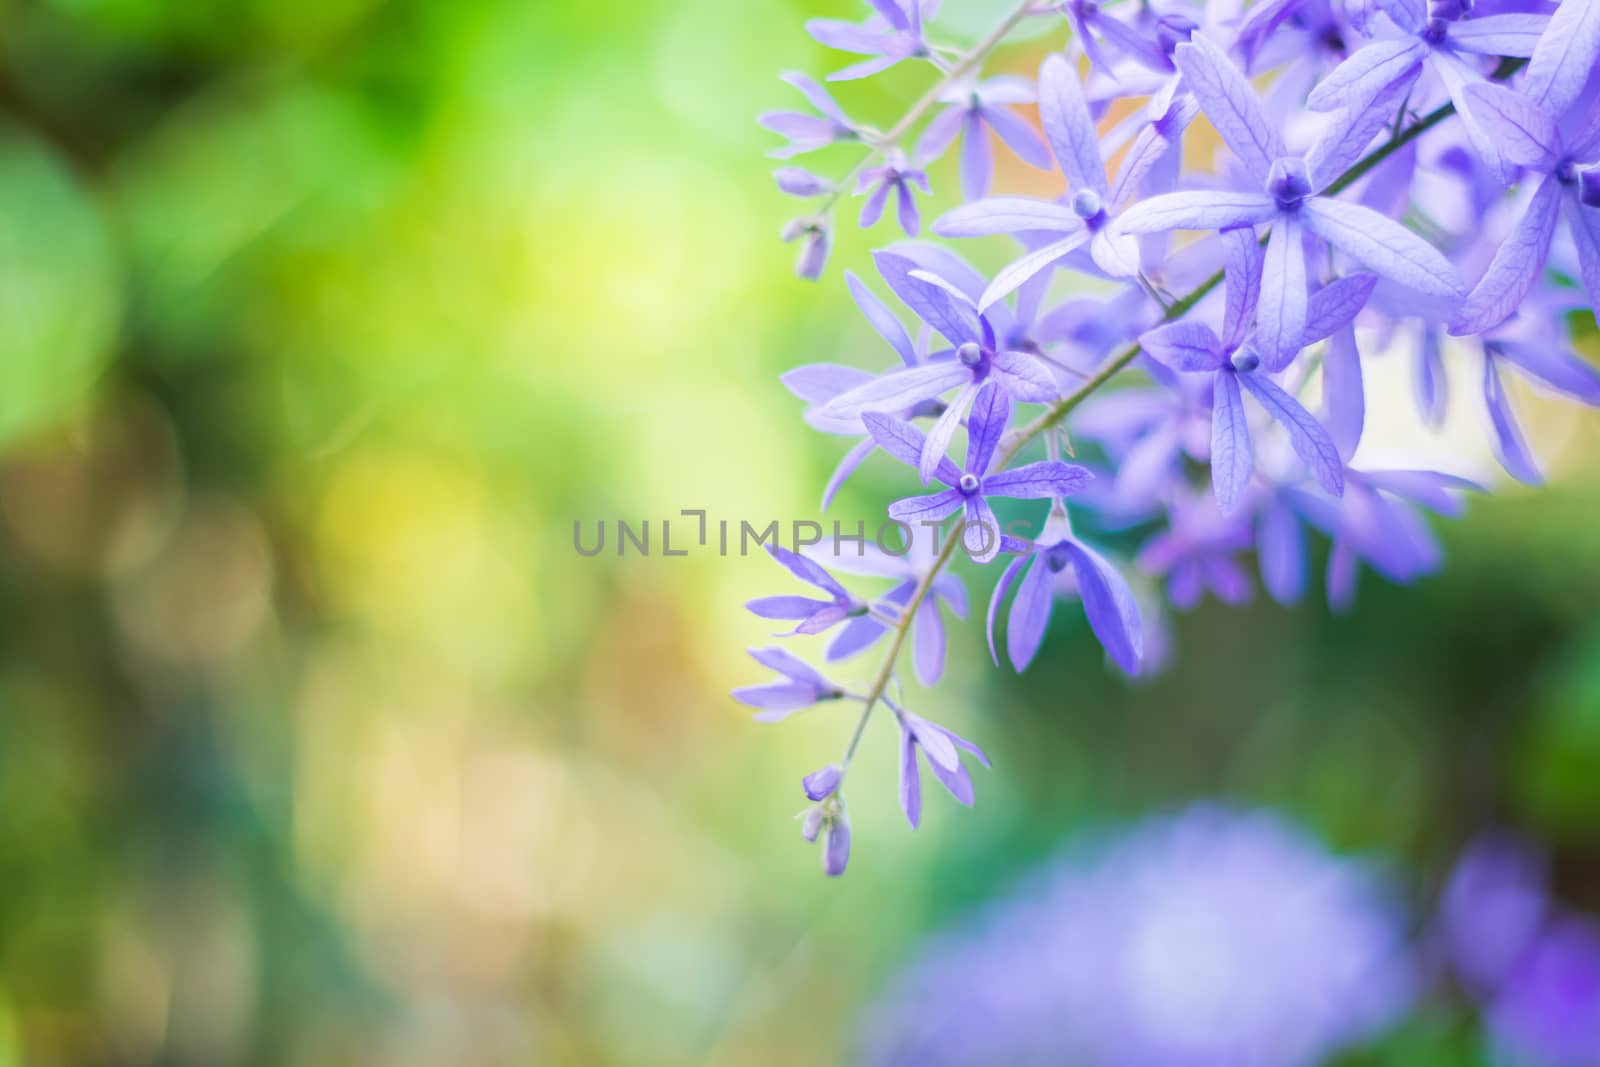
{"type": "Point", "coordinates": [1007, 214]}
{"type": "Point", "coordinates": [1382, 245]}
{"type": "Point", "coordinates": [1335, 305]}
{"type": "Point", "coordinates": [1020, 271]}
{"type": "Point", "coordinates": [1038, 481]}
{"type": "Point", "coordinates": [897, 390]}
{"type": "Point", "coordinates": [1584, 224]}
{"type": "Point", "coordinates": [1281, 315]}
{"type": "Point", "coordinates": [1065, 116]}
{"type": "Point", "coordinates": [1516, 264]}
{"type": "Point", "coordinates": [980, 533]}
{"type": "Point", "coordinates": [1343, 392]}
{"type": "Point", "coordinates": [1515, 34]}
{"type": "Point", "coordinates": [1197, 210]}
{"type": "Point", "coordinates": [905, 442]}
{"type": "Point", "coordinates": [1308, 437]}
{"type": "Point", "coordinates": [1030, 614]}
{"type": "Point", "coordinates": [934, 305]}
{"type": "Point", "coordinates": [1230, 102]}
{"type": "Point", "coordinates": [1184, 345]}
{"type": "Point", "coordinates": [1567, 53]}
{"type": "Point", "coordinates": [1014, 568]}
{"type": "Point", "coordinates": [1231, 457]}
{"type": "Point", "coordinates": [1018, 136]}
{"type": "Point", "coordinates": [1110, 606]}
{"type": "Point", "coordinates": [818, 383]}
{"type": "Point", "coordinates": [1354, 83]}
{"type": "Point", "coordinates": [1521, 130]}
{"type": "Point", "coordinates": [1026, 380]}
{"type": "Point", "coordinates": [931, 508]}
{"type": "Point", "coordinates": [1243, 260]}
{"type": "Point", "coordinates": [937, 444]}
{"type": "Point", "coordinates": [991, 411]}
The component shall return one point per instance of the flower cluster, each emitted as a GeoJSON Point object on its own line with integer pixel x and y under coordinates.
{"type": "Point", "coordinates": [1374, 170]}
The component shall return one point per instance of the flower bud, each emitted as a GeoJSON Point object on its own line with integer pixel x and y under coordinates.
{"type": "Point", "coordinates": [811, 825]}
{"type": "Point", "coordinates": [836, 846]}
{"type": "Point", "coordinates": [1589, 186]}
{"type": "Point", "coordinates": [797, 181]}
{"type": "Point", "coordinates": [821, 783]}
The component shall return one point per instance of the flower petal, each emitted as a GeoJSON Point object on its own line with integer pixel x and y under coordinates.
{"type": "Point", "coordinates": [1380, 244]}
{"type": "Point", "coordinates": [1231, 458]}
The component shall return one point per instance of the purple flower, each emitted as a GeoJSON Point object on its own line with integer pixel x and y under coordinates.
{"type": "Point", "coordinates": [1231, 361]}
{"type": "Point", "coordinates": [939, 746]}
{"type": "Point", "coordinates": [1493, 907]}
{"type": "Point", "coordinates": [835, 842]}
{"type": "Point", "coordinates": [1439, 39]}
{"type": "Point", "coordinates": [1107, 601]}
{"type": "Point", "coordinates": [815, 616]}
{"type": "Point", "coordinates": [1150, 45]}
{"type": "Point", "coordinates": [802, 686]}
{"type": "Point", "coordinates": [1086, 220]}
{"type": "Point", "coordinates": [968, 488]}
{"type": "Point", "coordinates": [927, 626]}
{"type": "Point", "coordinates": [891, 35]}
{"type": "Point", "coordinates": [1290, 202]}
{"type": "Point", "coordinates": [1529, 137]}
{"type": "Point", "coordinates": [897, 176]}
{"type": "Point", "coordinates": [1548, 1011]}
{"type": "Point", "coordinates": [973, 108]}
{"type": "Point", "coordinates": [816, 239]}
{"type": "Point", "coordinates": [1195, 554]}
{"type": "Point", "coordinates": [977, 359]}
{"type": "Point", "coordinates": [1210, 937]}
{"type": "Point", "coordinates": [806, 132]}
{"type": "Point", "coordinates": [797, 181]}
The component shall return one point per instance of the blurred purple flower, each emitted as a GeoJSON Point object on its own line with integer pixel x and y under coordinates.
{"type": "Point", "coordinates": [943, 750]}
{"type": "Point", "coordinates": [815, 616]}
{"type": "Point", "coordinates": [806, 132]}
{"type": "Point", "coordinates": [892, 34]}
{"type": "Point", "coordinates": [802, 686]}
{"type": "Point", "coordinates": [897, 176]}
{"type": "Point", "coordinates": [927, 626]}
{"type": "Point", "coordinates": [1211, 938]}
{"type": "Point", "coordinates": [975, 107]}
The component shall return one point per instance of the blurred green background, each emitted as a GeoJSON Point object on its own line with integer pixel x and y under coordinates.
{"type": "Point", "coordinates": [320, 324]}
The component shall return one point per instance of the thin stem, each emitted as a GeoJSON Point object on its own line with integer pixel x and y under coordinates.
{"type": "Point", "coordinates": [1053, 415]}
{"type": "Point", "coordinates": [953, 73]}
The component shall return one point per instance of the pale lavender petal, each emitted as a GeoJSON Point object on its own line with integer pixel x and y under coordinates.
{"type": "Point", "coordinates": [1516, 265]}
{"type": "Point", "coordinates": [953, 591]}
{"type": "Point", "coordinates": [1558, 368]}
{"type": "Point", "coordinates": [855, 636]}
{"type": "Point", "coordinates": [779, 699]}
{"type": "Point", "coordinates": [1334, 305]}
{"type": "Point", "coordinates": [821, 783]}
{"type": "Point", "coordinates": [791, 666]}
{"type": "Point", "coordinates": [1230, 102]}
{"type": "Point", "coordinates": [1038, 481]}
{"type": "Point", "coordinates": [1358, 80]}
{"type": "Point", "coordinates": [1030, 615]}
{"type": "Point", "coordinates": [1115, 252]}
{"type": "Point", "coordinates": [1065, 116]}
{"type": "Point", "coordinates": [817, 95]}
{"type": "Point", "coordinates": [897, 390]}
{"type": "Point", "coordinates": [1347, 136]}
{"type": "Point", "coordinates": [991, 412]}
{"type": "Point", "coordinates": [845, 36]}
{"type": "Point", "coordinates": [904, 442]}
{"type": "Point", "coordinates": [785, 607]}
{"type": "Point", "coordinates": [1308, 437]}
{"type": "Point", "coordinates": [1243, 260]}
{"type": "Point", "coordinates": [939, 133]}
{"type": "Point", "coordinates": [1026, 380]}
{"type": "Point", "coordinates": [1509, 445]}
{"type": "Point", "coordinates": [937, 444]}
{"type": "Point", "coordinates": [1200, 209]}
{"type": "Point", "coordinates": [1109, 603]}
{"type": "Point", "coordinates": [1515, 34]}
{"type": "Point", "coordinates": [957, 782]}
{"type": "Point", "coordinates": [818, 383]}
{"type": "Point", "coordinates": [1567, 53]}
{"type": "Point", "coordinates": [1583, 223]}
{"type": "Point", "coordinates": [1009, 576]}
{"type": "Point", "coordinates": [1281, 315]}
{"type": "Point", "coordinates": [932, 303]}
{"type": "Point", "coordinates": [823, 620]}
{"type": "Point", "coordinates": [927, 508]}
{"type": "Point", "coordinates": [847, 466]}
{"type": "Point", "coordinates": [927, 643]}
{"type": "Point", "coordinates": [1017, 273]}
{"type": "Point", "coordinates": [1522, 132]}
{"type": "Point", "coordinates": [1185, 346]}
{"type": "Point", "coordinates": [1231, 458]}
{"type": "Point", "coordinates": [883, 320]}
{"type": "Point", "coordinates": [1281, 547]}
{"type": "Point", "coordinates": [1343, 391]}
{"type": "Point", "coordinates": [892, 13]}
{"type": "Point", "coordinates": [977, 160]}
{"type": "Point", "coordinates": [1007, 214]}
{"type": "Point", "coordinates": [910, 218]}
{"type": "Point", "coordinates": [1382, 245]}
{"type": "Point", "coordinates": [1019, 136]}
{"type": "Point", "coordinates": [910, 779]}
{"type": "Point", "coordinates": [872, 210]}
{"type": "Point", "coordinates": [797, 181]}
{"type": "Point", "coordinates": [980, 533]}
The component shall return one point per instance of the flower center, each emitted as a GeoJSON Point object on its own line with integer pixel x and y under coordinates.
{"type": "Point", "coordinates": [1055, 558]}
{"type": "Point", "coordinates": [1435, 30]}
{"type": "Point", "coordinates": [1087, 206]}
{"type": "Point", "coordinates": [1246, 360]}
{"type": "Point", "coordinates": [1289, 182]}
{"type": "Point", "coordinates": [968, 483]}
{"type": "Point", "coordinates": [970, 354]}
